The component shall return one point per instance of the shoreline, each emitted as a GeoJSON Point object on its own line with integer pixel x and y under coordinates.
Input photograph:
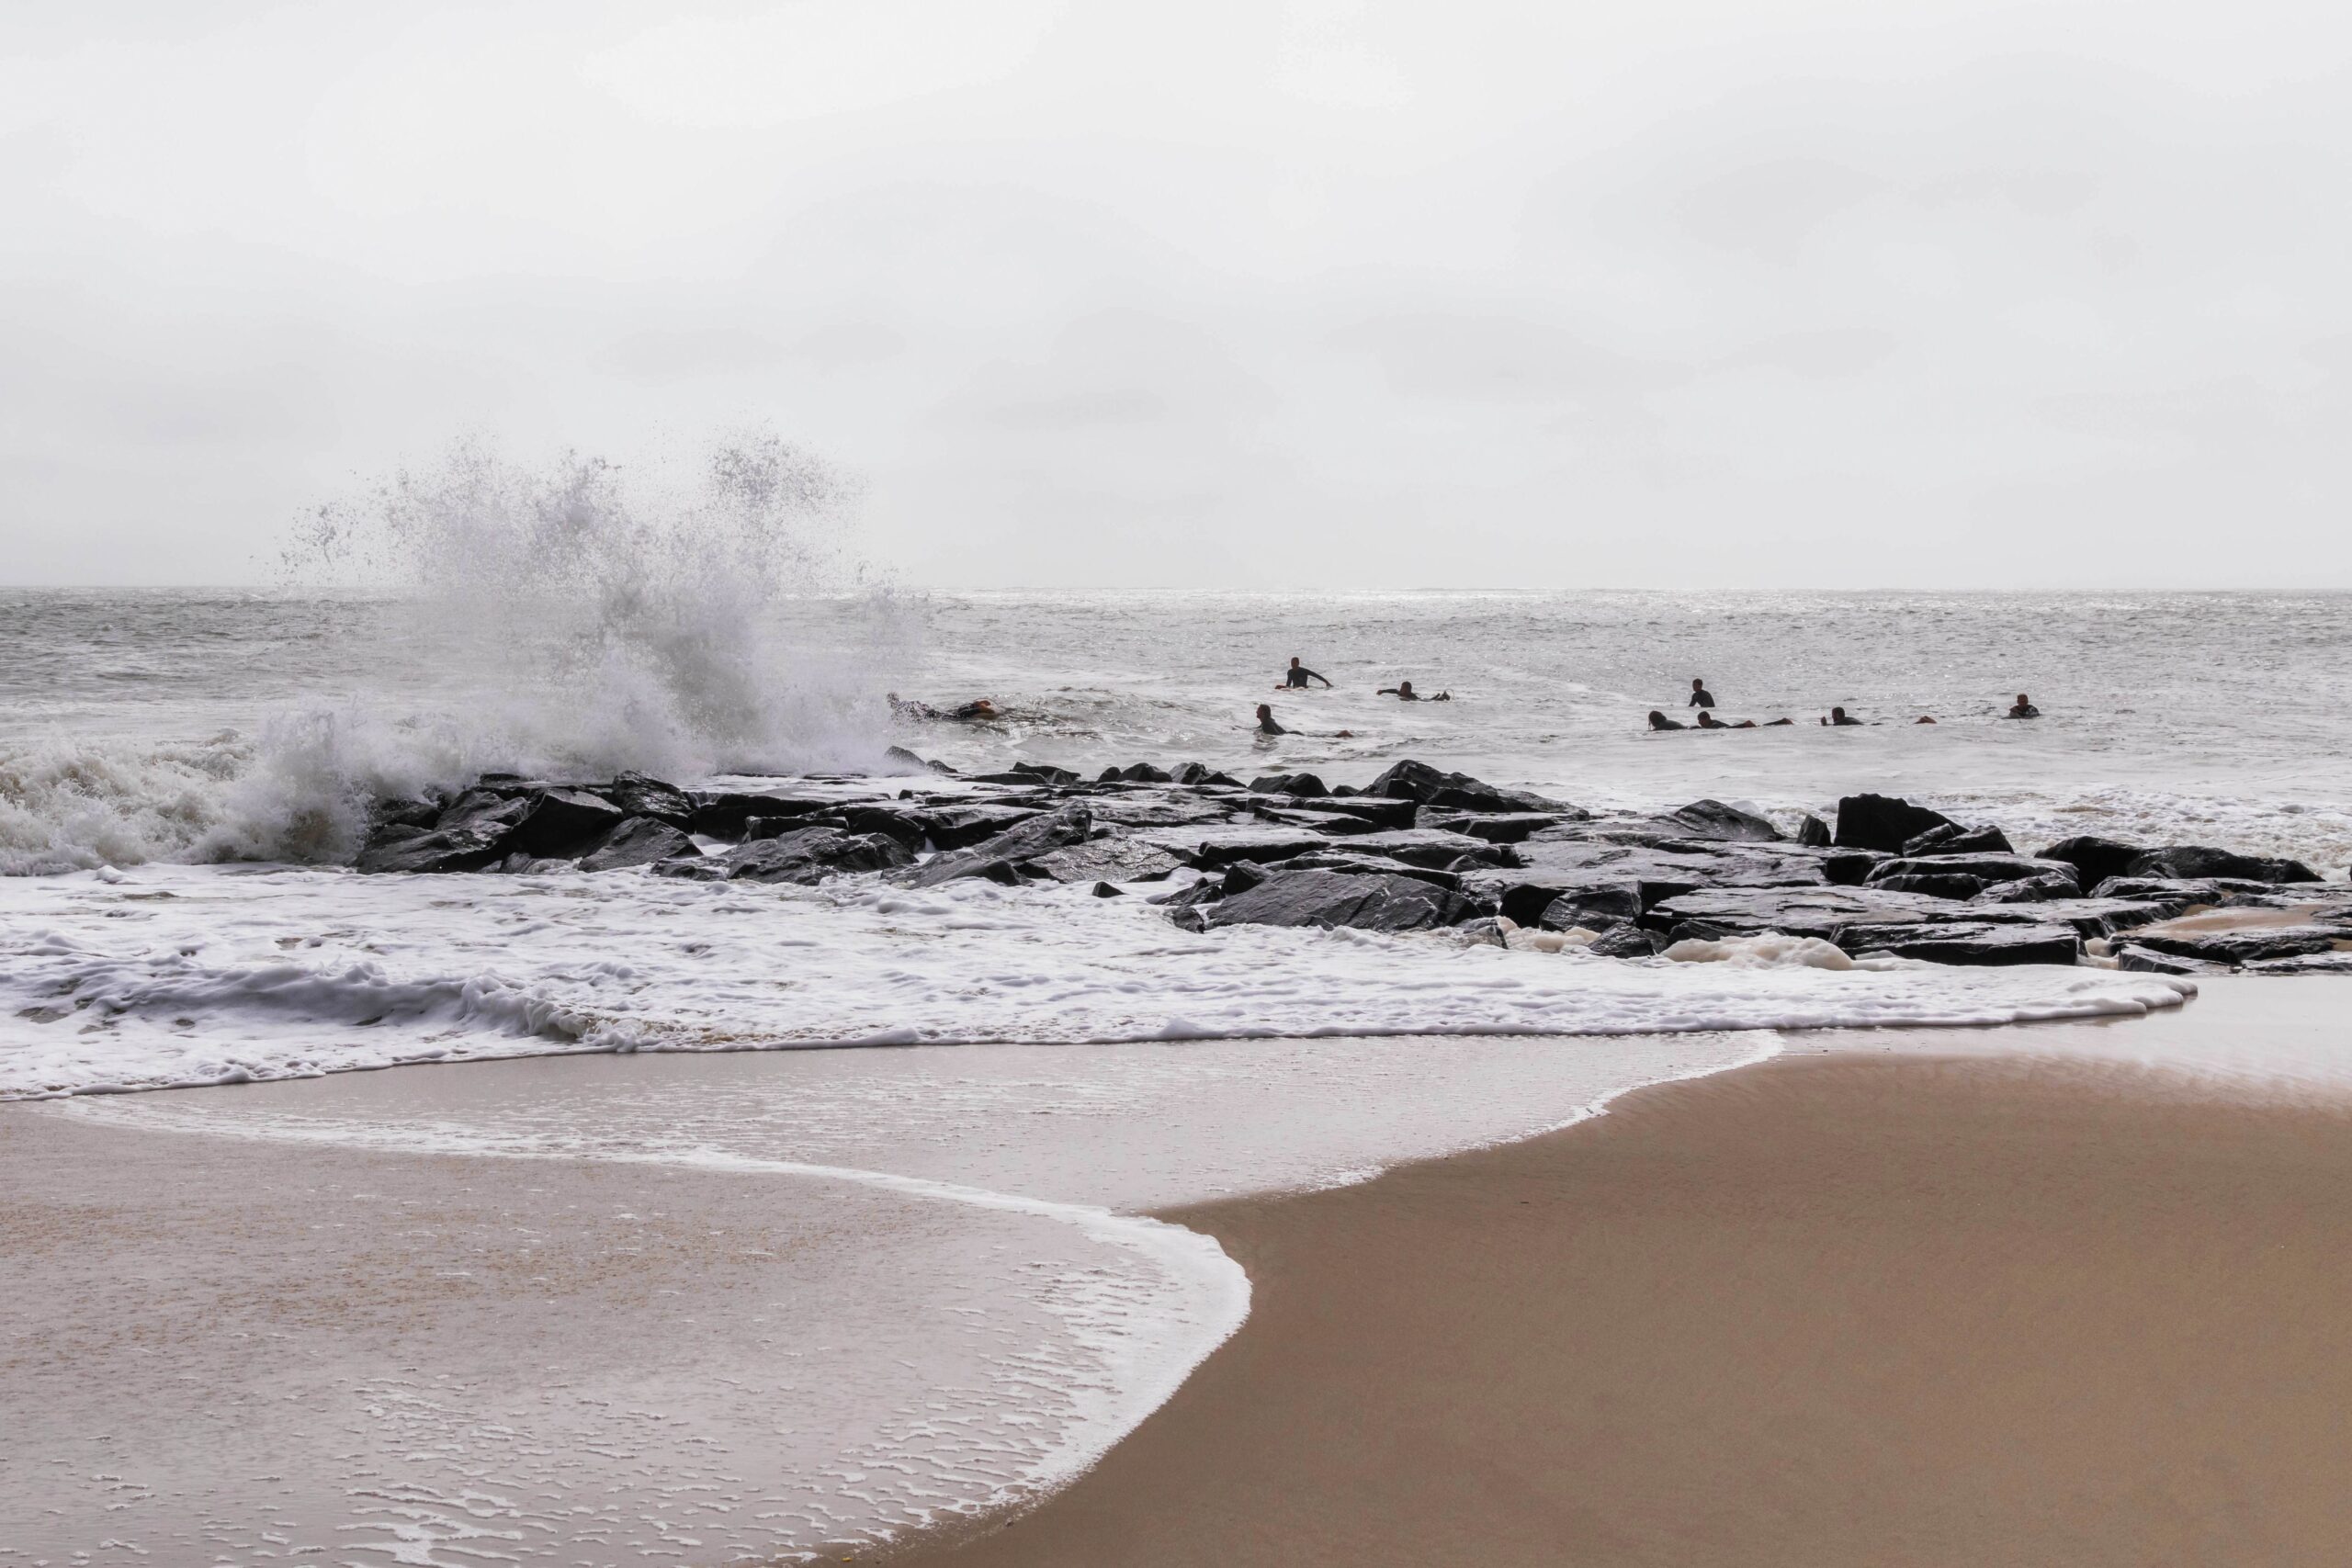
{"type": "Point", "coordinates": [1892, 1305]}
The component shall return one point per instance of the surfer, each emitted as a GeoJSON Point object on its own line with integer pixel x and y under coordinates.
{"type": "Point", "coordinates": [1298, 675]}
{"type": "Point", "coordinates": [1838, 716]}
{"type": "Point", "coordinates": [1659, 721]}
{"type": "Point", "coordinates": [2025, 708]}
{"type": "Point", "coordinates": [1403, 691]}
{"type": "Point", "coordinates": [1266, 724]}
{"type": "Point", "coordinates": [1701, 697]}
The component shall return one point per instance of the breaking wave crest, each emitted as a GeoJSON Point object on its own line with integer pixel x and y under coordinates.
{"type": "Point", "coordinates": [681, 615]}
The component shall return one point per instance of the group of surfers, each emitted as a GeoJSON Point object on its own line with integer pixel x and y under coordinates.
{"type": "Point", "coordinates": [1837, 717]}
{"type": "Point", "coordinates": [1297, 676]}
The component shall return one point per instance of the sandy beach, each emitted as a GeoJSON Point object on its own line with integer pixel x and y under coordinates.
{"type": "Point", "coordinates": [1838, 1309]}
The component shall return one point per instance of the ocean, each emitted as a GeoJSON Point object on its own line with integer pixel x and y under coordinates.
{"type": "Point", "coordinates": [184, 775]}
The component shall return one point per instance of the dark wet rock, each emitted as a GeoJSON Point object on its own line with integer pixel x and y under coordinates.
{"type": "Point", "coordinates": [1072, 824]}
{"type": "Point", "coordinates": [473, 831]}
{"type": "Point", "coordinates": [1143, 772]}
{"type": "Point", "coordinates": [901, 761]}
{"type": "Point", "coordinates": [1714, 820]}
{"type": "Point", "coordinates": [1119, 860]}
{"type": "Point", "coordinates": [1953, 840]}
{"type": "Point", "coordinates": [1339, 824]}
{"type": "Point", "coordinates": [708, 869]}
{"type": "Point", "coordinates": [1594, 908]}
{"type": "Point", "coordinates": [419, 813]}
{"type": "Point", "coordinates": [1209, 847]}
{"type": "Point", "coordinates": [1432, 786]}
{"type": "Point", "coordinates": [724, 814]}
{"type": "Point", "coordinates": [1884, 822]}
{"type": "Point", "coordinates": [562, 823]}
{"type": "Point", "coordinates": [1339, 859]}
{"type": "Point", "coordinates": [2241, 946]}
{"type": "Point", "coordinates": [808, 855]}
{"type": "Point", "coordinates": [2030, 889]}
{"type": "Point", "coordinates": [639, 840]}
{"type": "Point", "coordinates": [1429, 847]}
{"type": "Point", "coordinates": [2090, 916]}
{"type": "Point", "coordinates": [1986, 868]}
{"type": "Point", "coordinates": [2190, 861]}
{"type": "Point", "coordinates": [1962, 942]}
{"type": "Point", "coordinates": [2187, 892]}
{"type": "Point", "coordinates": [906, 824]}
{"type": "Point", "coordinates": [961, 827]}
{"type": "Point", "coordinates": [1554, 869]}
{"type": "Point", "coordinates": [1935, 884]}
{"type": "Point", "coordinates": [1191, 773]}
{"type": "Point", "coordinates": [1158, 809]}
{"type": "Point", "coordinates": [1044, 773]}
{"type": "Point", "coordinates": [1208, 890]}
{"type": "Point", "coordinates": [1325, 898]}
{"type": "Point", "coordinates": [521, 865]}
{"type": "Point", "coordinates": [1627, 942]}
{"type": "Point", "coordinates": [1288, 783]}
{"type": "Point", "coordinates": [1104, 890]}
{"type": "Point", "coordinates": [2093, 859]}
{"type": "Point", "coordinates": [1487, 930]}
{"type": "Point", "coordinates": [2147, 961]}
{"type": "Point", "coordinates": [1376, 809]}
{"type": "Point", "coordinates": [636, 796]}
{"type": "Point", "coordinates": [2304, 963]}
{"type": "Point", "coordinates": [1849, 868]}
{"type": "Point", "coordinates": [1717, 912]}
{"type": "Point", "coordinates": [1502, 827]}
{"type": "Point", "coordinates": [1814, 833]}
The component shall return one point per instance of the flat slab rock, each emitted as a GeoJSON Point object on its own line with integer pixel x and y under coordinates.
{"type": "Point", "coordinates": [1329, 898]}
{"type": "Point", "coordinates": [1717, 912]}
{"type": "Point", "coordinates": [1968, 942]}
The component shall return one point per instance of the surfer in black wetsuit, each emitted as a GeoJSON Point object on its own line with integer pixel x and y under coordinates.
{"type": "Point", "coordinates": [1266, 724]}
{"type": "Point", "coordinates": [1659, 721]}
{"type": "Point", "coordinates": [1403, 691]}
{"type": "Point", "coordinates": [1709, 721]}
{"type": "Point", "coordinates": [1700, 698]}
{"type": "Point", "coordinates": [1838, 716]}
{"type": "Point", "coordinates": [1298, 675]}
{"type": "Point", "coordinates": [2025, 708]}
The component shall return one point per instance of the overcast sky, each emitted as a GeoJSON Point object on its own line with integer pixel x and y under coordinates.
{"type": "Point", "coordinates": [1889, 293]}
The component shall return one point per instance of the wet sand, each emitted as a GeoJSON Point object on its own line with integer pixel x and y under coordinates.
{"type": "Point", "coordinates": [1839, 1309]}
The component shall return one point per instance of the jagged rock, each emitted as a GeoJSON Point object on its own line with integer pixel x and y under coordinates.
{"type": "Point", "coordinates": [1072, 824]}
{"type": "Point", "coordinates": [961, 827]}
{"type": "Point", "coordinates": [521, 865]}
{"type": "Point", "coordinates": [1715, 913]}
{"type": "Point", "coordinates": [2146, 961]}
{"type": "Point", "coordinates": [1044, 773]}
{"type": "Point", "coordinates": [2197, 859]}
{"type": "Point", "coordinates": [1208, 890]}
{"type": "Point", "coordinates": [1884, 822]}
{"type": "Point", "coordinates": [1963, 942]}
{"type": "Point", "coordinates": [1191, 773]}
{"type": "Point", "coordinates": [1429, 847]}
{"type": "Point", "coordinates": [1935, 884]}
{"type": "Point", "coordinates": [419, 813]}
{"type": "Point", "coordinates": [1714, 820]}
{"type": "Point", "coordinates": [1813, 833]}
{"type": "Point", "coordinates": [2090, 916]}
{"type": "Point", "coordinates": [708, 869]}
{"type": "Point", "coordinates": [1594, 908]}
{"type": "Point", "coordinates": [1339, 859]}
{"type": "Point", "coordinates": [1213, 847]}
{"type": "Point", "coordinates": [2093, 859]}
{"type": "Point", "coordinates": [811, 854]}
{"type": "Point", "coordinates": [1327, 899]}
{"type": "Point", "coordinates": [638, 795]}
{"type": "Point", "coordinates": [639, 840]}
{"type": "Point", "coordinates": [2304, 963]}
{"type": "Point", "coordinates": [1431, 786]}
{"type": "Point", "coordinates": [1304, 784]}
{"type": "Point", "coordinates": [1376, 809]}
{"type": "Point", "coordinates": [2185, 891]}
{"type": "Point", "coordinates": [903, 761]}
{"type": "Point", "coordinates": [1986, 868]}
{"type": "Point", "coordinates": [1104, 890]}
{"type": "Point", "coordinates": [1143, 772]}
{"type": "Point", "coordinates": [1120, 860]}
{"type": "Point", "coordinates": [1953, 840]}
{"type": "Point", "coordinates": [1157, 808]}
{"type": "Point", "coordinates": [2030, 889]}
{"type": "Point", "coordinates": [1628, 940]}
{"type": "Point", "coordinates": [1338, 823]}
{"type": "Point", "coordinates": [1504, 828]}
{"type": "Point", "coordinates": [2243, 946]}
{"type": "Point", "coordinates": [724, 814]}
{"type": "Point", "coordinates": [478, 828]}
